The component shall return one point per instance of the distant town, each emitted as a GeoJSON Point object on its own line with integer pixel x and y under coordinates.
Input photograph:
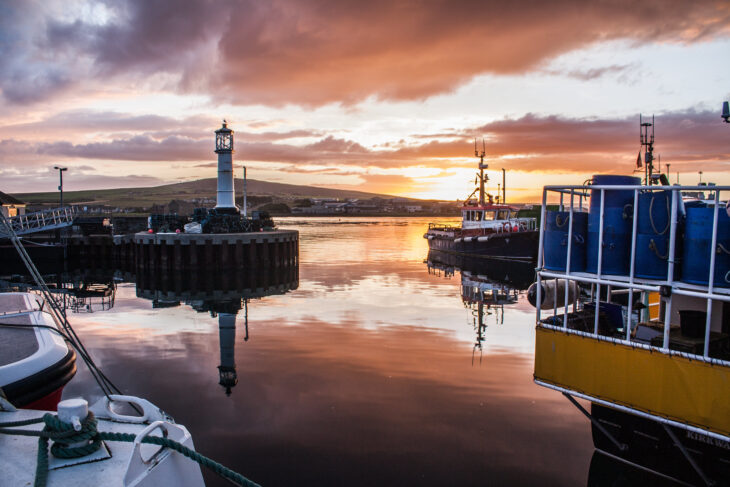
{"type": "Point", "coordinates": [300, 206]}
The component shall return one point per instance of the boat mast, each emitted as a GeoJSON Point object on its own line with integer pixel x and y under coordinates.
{"type": "Point", "coordinates": [647, 141]}
{"type": "Point", "coordinates": [504, 188]}
{"type": "Point", "coordinates": [482, 167]}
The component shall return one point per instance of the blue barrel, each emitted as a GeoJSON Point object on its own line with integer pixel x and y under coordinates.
{"type": "Point", "coordinates": [655, 210]}
{"type": "Point", "coordinates": [651, 257]}
{"type": "Point", "coordinates": [555, 246]}
{"type": "Point", "coordinates": [614, 198]}
{"type": "Point", "coordinates": [617, 224]}
{"type": "Point", "coordinates": [698, 247]}
{"type": "Point", "coordinates": [616, 241]}
{"type": "Point", "coordinates": [652, 239]}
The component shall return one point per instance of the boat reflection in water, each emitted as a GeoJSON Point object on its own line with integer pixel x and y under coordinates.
{"type": "Point", "coordinates": [223, 296]}
{"type": "Point", "coordinates": [487, 285]}
{"type": "Point", "coordinates": [76, 291]}
{"type": "Point", "coordinates": [609, 471]}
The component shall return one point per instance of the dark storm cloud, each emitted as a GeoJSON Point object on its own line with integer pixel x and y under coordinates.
{"type": "Point", "coordinates": [27, 74]}
{"type": "Point", "coordinates": [145, 35]}
{"type": "Point", "coordinates": [314, 52]}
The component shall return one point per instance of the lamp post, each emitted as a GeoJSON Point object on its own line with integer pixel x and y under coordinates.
{"type": "Point", "coordinates": [60, 176]}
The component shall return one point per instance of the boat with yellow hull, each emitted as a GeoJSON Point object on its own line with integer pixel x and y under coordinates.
{"type": "Point", "coordinates": [651, 355]}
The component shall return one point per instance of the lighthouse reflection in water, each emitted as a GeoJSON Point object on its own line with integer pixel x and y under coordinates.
{"type": "Point", "coordinates": [228, 300]}
{"type": "Point", "coordinates": [487, 286]}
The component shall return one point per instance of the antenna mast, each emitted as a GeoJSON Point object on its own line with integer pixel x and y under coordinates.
{"type": "Point", "coordinates": [646, 138]}
{"type": "Point", "coordinates": [482, 167]}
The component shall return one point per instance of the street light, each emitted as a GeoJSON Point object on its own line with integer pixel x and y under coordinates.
{"type": "Point", "coordinates": [60, 176]}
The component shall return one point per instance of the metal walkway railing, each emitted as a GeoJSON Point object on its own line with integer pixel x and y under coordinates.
{"type": "Point", "coordinates": [40, 221]}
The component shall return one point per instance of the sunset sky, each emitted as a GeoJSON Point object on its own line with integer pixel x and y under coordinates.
{"type": "Point", "coordinates": [381, 95]}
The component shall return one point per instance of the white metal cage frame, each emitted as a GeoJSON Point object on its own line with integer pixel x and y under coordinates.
{"type": "Point", "coordinates": [576, 196]}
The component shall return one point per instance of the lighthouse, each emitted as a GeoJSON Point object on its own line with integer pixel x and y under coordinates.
{"type": "Point", "coordinates": [225, 201]}
{"type": "Point", "coordinates": [227, 368]}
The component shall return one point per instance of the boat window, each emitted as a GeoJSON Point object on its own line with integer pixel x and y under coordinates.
{"type": "Point", "coordinates": [503, 215]}
{"type": "Point", "coordinates": [488, 215]}
{"type": "Point", "coordinates": [478, 216]}
{"type": "Point", "coordinates": [467, 216]}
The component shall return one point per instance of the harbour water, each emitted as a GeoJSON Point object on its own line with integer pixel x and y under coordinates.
{"type": "Point", "coordinates": [369, 372]}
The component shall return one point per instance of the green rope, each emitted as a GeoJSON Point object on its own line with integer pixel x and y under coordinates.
{"type": "Point", "coordinates": [89, 440]}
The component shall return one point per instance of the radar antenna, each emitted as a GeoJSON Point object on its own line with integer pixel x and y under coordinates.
{"type": "Point", "coordinates": [646, 139]}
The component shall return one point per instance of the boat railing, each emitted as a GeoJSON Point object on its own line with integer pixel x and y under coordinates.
{"type": "Point", "coordinates": [443, 226]}
{"type": "Point", "coordinates": [601, 284]}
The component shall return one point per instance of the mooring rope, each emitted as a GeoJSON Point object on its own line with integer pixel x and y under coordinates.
{"type": "Point", "coordinates": [88, 440]}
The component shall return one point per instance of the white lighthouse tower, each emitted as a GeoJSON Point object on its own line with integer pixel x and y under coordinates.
{"type": "Point", "coordinates": [227, 368]}
{"type": "Point", "coordinates": [224, 148]}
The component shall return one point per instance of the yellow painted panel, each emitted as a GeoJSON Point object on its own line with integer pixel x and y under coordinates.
{"type": "Point", "coordinates": [654, 305]}
{"type": "Point", "coordinates": [670, 386]}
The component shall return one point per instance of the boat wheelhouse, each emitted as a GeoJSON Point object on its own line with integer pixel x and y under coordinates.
{"type": "Point", "coordinates": [637, 293]}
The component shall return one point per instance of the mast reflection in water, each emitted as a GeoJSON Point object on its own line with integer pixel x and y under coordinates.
{"type": "Point", "coordinates": [487, 285]}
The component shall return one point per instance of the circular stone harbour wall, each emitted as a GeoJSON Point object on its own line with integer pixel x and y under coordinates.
{"type": "Point", "coordinates": [170, 252]}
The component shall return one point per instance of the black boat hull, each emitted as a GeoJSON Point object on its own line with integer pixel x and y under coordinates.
{"type": "Point", "coordinates": [508, 246]}
{"type": "Point", "coordinates": [651, 447]}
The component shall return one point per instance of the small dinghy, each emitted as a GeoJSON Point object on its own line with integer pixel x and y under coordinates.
{"type": "Point", "coordinates": [36, 362]}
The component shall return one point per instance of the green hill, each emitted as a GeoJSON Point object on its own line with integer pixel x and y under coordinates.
{"type": "Point", "coordinates": [202, 188]}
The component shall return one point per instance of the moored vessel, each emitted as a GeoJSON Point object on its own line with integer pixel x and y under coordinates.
{"type": "Point", "coordinates": [645, 336]}
{"type": "Point", "coordinates": [488, 228]}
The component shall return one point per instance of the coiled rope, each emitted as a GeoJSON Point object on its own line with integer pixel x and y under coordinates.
{"type": "Point", "coordinates": [69, 443]}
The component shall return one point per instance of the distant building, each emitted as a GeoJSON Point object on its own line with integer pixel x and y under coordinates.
{"type": "Point", "coordinates": [11, 206]}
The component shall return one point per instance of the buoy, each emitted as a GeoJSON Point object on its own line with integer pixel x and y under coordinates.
{"type": "Point", "coordinates": [550, 294]}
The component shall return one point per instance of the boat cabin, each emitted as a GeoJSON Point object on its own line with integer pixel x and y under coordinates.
{"type": "Point", "coordinates": [488, 216]}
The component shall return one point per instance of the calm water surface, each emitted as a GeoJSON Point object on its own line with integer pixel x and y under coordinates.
{"type": "Point", "coordinates": [368, 373]}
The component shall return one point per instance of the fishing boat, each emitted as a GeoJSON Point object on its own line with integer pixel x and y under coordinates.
{"type": "Point", "coordinates": [36, 362]}
{"type": "Point", "coordinates": [636, 289]}
{"type": "Point", "coordinates": [489, 228]}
